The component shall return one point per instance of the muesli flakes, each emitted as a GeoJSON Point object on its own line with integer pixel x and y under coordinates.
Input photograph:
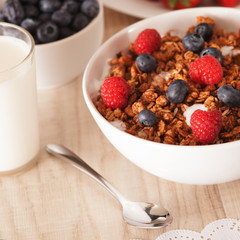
{"type": "Point", "coordinates": [148, 90]}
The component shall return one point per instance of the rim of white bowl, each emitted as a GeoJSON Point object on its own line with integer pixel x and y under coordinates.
{"type": "Point", "coordinates": [79, 33]}
{"type": "Point", "coordinates": [92, 107]}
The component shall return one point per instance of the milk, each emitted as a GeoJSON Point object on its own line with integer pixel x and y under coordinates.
{"type": "Point", "coordinates": [19, 133]}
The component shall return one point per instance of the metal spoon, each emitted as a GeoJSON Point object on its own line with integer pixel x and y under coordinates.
{"type": "Point", "coordinates": [138, 214]}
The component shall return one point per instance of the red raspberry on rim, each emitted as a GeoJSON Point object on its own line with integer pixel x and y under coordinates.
{"type": "Point", "coordinates": [148, 41]}
{"type": "Point", "coordinates": [115, 92]}
{"type": "Point", "coordinates": [206, 125]}
{"type": "Point", "coordinates": [206, 70]}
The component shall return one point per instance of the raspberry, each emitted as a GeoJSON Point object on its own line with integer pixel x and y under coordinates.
{"type": "Point", "coordinates": [206, 125]}
{"type": "Point", "coordinates": [206, 70]}
{"type": "Point", "coordinates": [115, 92]}
{"type": "Point", "coordinates": [148, 41]}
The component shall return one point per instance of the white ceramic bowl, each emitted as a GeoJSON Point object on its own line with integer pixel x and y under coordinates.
{"type": "Point", "coordinates": [61, 61]}
{"type": "Point", "coordinates": [185, 164]}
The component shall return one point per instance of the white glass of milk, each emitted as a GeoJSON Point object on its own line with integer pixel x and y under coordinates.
{"type": "Point", "coordinates": [19, 129]}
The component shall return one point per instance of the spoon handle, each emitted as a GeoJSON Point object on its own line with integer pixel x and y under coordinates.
{"type": "Point", "coordinates": [68, 156]}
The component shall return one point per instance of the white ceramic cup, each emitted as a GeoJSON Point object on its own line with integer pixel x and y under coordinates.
{"type": "Point", "coordinates": [61, 61]}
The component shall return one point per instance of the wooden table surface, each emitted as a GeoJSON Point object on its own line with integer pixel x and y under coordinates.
{"type": "Point", "coordinates": [55, 201]}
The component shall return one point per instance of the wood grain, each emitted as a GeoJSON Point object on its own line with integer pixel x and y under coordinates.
{"type": "Point", "coordinates": [54, 201]}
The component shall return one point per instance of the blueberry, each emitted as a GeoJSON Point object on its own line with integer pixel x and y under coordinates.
{"type": "Point", "coordinates": [177, 91]}
{"type": "Point", "coordinates": [90, 8]}
{"type": "Point", "coordinates": [147, 118]}
{"type": "Point", "coordinates": [62, 17]}
{"type": "Point", "coordinates": [79, 22]}
{"type": "Point", "coordinates": [2, 18]}
{"type": "Point", "coordinates": [30, 25]}
{"type": "Point", "coordinates": [44, 17]}
{"type": "Point", "coordinates": [49, 6]}
{"type": "Point", "coordinates": [31, 11]}
{"type": "Point", "coordinates": [66, 32]}
{"type": "Point", "coordinates": [47, 32]}
{"type": "Point", "coordinates": [36, 39]}
{"type": "Point", "coordinates": [193, 42]}
{"type": "Point", "coordinates": [71, 6]}
{"type": "Point", "coordinates": [13, 11]}
{"type": "Point", "coordinates": [212, 51]}
{"type": "Point", "coordinates": [229, 95]}
{"type": "Point", "coordinates": [205, 30]}
{"type": "Point", "coordinates": [146, 62]}
{"type": "Point", "coordinates": [50, 20]}
{"type": "Point", "coordinates": [30, 1]}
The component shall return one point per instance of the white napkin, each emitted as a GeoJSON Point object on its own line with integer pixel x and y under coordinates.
{"type": "Point", "coordinates": [223, 229]}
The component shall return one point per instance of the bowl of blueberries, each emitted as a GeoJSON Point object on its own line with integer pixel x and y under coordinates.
{"type": "Point", "coordinates": [165, 92]}
{"type": "Point", "coordinates": [66, 34]}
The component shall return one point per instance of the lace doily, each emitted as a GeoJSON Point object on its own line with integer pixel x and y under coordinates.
{"type": "Point", "coordinates": [223, 229]}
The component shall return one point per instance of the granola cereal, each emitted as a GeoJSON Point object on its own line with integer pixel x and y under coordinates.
{"type": "Point", "coordinates": [148, 90]}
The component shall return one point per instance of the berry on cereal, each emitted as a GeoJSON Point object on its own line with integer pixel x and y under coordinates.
{"type": "Point", "coordinates": [177, 91]}
{"type": "Point", "coordinates": [206, 70]}
{"type": "Point", "coordinates": [205, 30]}
{"type": "Point", "coordinates": [206, 125]}
{"type": "Point", "coordinates": [115, 92]}
{"type": "Point", "coordinates": [146, 62]}
{"type": "Point", "coordinates": [147, 118]}
{"type": "Point", "coordinates": [212, 51]}
{"type": "Point", "coordinates": [229, 95]}
{"type": "Point", "coordinates": [148, 41]}
{"type": "Point", "coordinates": [193, 42]}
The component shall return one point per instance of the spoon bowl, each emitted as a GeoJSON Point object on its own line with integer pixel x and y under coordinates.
{"type": "Point", "coordinates": [146, 215]}
{"type": "Point", "coordinates": [138, 214]}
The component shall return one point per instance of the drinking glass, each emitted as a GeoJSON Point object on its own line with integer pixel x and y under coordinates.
{"type": "Point", "coordinates": [19, 126]}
